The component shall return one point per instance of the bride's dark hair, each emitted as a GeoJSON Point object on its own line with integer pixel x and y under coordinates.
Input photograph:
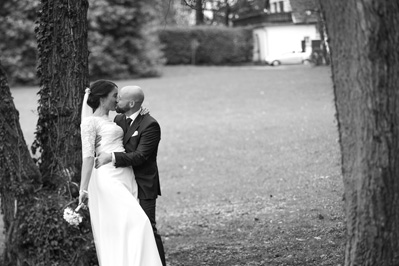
{"type": "Point", "coordinates": [99, 89]}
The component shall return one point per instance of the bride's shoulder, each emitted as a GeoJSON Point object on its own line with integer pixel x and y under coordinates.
{"type": "Point", "coordinates": [89, 121]}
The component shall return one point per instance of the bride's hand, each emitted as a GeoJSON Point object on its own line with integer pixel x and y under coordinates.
{"type": "Point", "coordinates": [83, 198]}
{"type": "Point", "coordinates": [144, 111]}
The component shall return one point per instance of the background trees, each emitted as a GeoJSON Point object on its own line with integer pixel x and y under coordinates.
{"type": "Point", "coordinates": [129, 49]}
{"type": "Point", "coordinates": [18, 43]}
{"type": "Point", "coordinates": [123, 39]}
{"type": "Point", "coordinates": [223, 11]}
{"type": "Point", "coordinates": [122, 36]}
{"type": "Point", "coordinates": [207, 45]}
{"type": "Point", "coordinates": [365, 65]}
{"type": "Point", "coordinates": [174, 13]}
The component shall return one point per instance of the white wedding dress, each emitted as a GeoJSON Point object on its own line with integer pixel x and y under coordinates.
{"type": "Point", "coordinates": [122, 231]}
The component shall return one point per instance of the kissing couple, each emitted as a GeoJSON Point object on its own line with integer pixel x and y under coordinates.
{"type": "Point", "coordinates": [120, 175]}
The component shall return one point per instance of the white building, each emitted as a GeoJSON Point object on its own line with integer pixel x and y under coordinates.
{"type": "Point", "coordinates": [285, 26]}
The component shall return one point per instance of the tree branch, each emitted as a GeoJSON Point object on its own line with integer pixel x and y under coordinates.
{"type": "Point", "coordinates": [188, 4]}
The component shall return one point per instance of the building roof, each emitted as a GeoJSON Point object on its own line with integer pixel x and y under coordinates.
{"type": "Point", "coordinates": [265, 18]}
{"type": "Point", "coordinates": [303, 12]}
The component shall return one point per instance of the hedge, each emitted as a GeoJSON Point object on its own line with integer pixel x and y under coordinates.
{"type": "Point", "coordinates": [111, 59]}
{"type": "Point", "coordinates": [208, 45]}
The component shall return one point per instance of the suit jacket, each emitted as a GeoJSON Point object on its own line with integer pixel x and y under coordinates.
{"type": "Point", "coordinates": [141, 153]}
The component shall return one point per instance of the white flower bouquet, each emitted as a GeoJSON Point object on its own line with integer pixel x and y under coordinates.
{"type": "Point", "coordinates": [73, 217]}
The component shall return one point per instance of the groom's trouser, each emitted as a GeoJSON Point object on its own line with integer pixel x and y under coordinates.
{"type": "Point", "coordinates": [148, 206]}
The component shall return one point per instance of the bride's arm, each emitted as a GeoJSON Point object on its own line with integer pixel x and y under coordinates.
{"type": "Point", "coordinates": [88, 136]}
{"type": "Point", "coordinates": [87, 168]}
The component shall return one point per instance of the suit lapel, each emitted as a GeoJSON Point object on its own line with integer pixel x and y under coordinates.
{"type": "Point", "coordinates": [135, 125]}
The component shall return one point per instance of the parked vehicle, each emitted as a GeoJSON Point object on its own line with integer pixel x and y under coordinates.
{"type": "Point", "coordinates": [289, 58]}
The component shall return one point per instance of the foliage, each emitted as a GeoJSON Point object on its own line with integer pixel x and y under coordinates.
{"type": "Point", "coordinates": [250, 7]}
{"type": "Point", "coordinates": [123, 39]}
{"type": "Point", "coordinates": [173, 13]}
{"type": "Point", "coordinates": [47, 239]}
{"type": "Point", "coordinates": [18, 44]}
{"type": "Point", "coordinates": [216, 45]}
{"type": "Point", "coordinates": [224, 11]}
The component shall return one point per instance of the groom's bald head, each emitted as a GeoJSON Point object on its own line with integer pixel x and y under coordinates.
{"type": "Point", "coordinates": [132, 93]}
{"type": "Point", "coordinates": [130, 99]}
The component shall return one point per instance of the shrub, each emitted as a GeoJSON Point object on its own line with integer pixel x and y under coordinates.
{"type": "Point", "coordinates": [209, 45]}
{"type": "Point", "coordinates": [123, 40]}
{"type": "Point", "coordinates": [50, 240]}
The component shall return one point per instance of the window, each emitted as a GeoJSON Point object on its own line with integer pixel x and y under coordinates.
{"type": "Point", "coordinates": [267, 4]}
{"type": "Point", "coordinates": [274, 9]}
{"type": "Point", "coordinates": [277, 7]}
{"type": "Point", "coordinates": [281, 6]}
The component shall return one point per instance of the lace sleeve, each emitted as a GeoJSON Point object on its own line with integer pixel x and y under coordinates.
{"type": "Point", "coordinates": [88, 136]}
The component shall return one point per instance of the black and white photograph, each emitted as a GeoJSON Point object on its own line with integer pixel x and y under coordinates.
{"type": "Point", "coordinates": [199, 132]}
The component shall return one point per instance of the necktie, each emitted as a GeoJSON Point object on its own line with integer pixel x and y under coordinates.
{"type": "Point", "coordinates": [128, 121]}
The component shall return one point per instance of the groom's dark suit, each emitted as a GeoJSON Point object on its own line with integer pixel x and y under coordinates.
{"type": "Point", "coordinates": [141, 142]}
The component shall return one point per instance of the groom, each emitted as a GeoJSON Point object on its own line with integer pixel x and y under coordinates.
{"type": "Point", "coordinates": [142, 136]}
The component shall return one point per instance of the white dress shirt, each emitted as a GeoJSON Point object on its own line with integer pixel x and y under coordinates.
{"type": "Point", "coordinates": [133, 116]}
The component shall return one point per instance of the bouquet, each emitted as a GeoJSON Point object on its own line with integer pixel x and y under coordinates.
{"type": "Point", "coordinates": [73, 217]}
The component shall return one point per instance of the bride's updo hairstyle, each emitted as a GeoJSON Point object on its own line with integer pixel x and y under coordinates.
{"type": "Point", "coordinates": [99, 89]}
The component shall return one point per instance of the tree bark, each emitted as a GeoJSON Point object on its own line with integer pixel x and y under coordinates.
{"type": "Point", "coordinates": [63, 70]}
{"type": "Point", "coordinates": [365, 67]}
{"type": "Point", "coordinates": [18, 172]}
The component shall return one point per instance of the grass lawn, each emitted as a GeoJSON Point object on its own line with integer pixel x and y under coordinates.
{"type": "Point", "coordinates": [249, 164]}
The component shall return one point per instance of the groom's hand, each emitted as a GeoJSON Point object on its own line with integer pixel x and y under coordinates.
{"type": "Point", "coordinates": [102, 159]}
{"type": "Point", "coordinates": [144, 111]}
{"type": "Point", "coordinates": [97, 142]}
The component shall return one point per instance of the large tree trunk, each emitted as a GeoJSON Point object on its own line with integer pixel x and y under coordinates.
{"type": "Point", "coordinates": [63, 71]}
{"type": "Point", "coordinates": [38, 235]}
{"type": "Point", "coordinates": [364, 40]}
{"type": "Point", "coordinates": [18, 172]}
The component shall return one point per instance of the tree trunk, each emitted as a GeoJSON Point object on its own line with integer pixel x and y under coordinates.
{"type": "Point", "coordinates": [199, 13]}
{"type": "Point", "coordinates": [18, 172]}
{"type": "Point", "coordinates": [323, 54]}
{"type": "Point", "coordinates": [227, 13]}
{"type": "Point", "coordinates": [63, 70]}
{"type": "Point", "coordinates": [364, 43]}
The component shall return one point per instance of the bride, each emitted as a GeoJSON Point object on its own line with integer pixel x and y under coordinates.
{"type": "Point", "coordinates": [122, 232]}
